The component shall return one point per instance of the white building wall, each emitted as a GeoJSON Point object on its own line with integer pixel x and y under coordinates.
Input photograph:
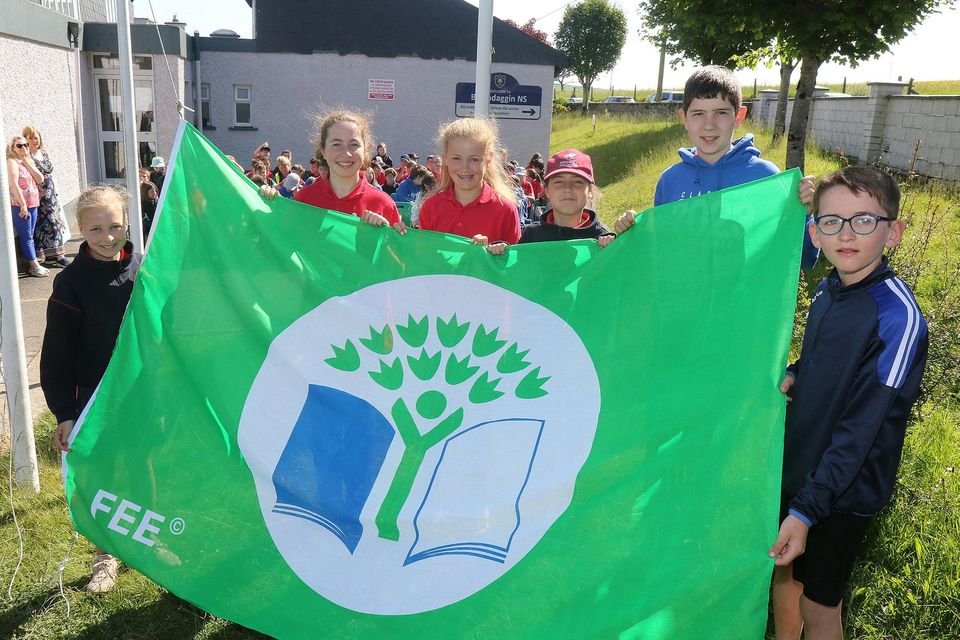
{"type": "Point", "coordinates": [37, 87]}
{"type": "Point", "coordinates": [91, 119]}
{"type": "Point", "coordinates": [289, 89]}
{"type": "Point", "coordinates": [166, 95]}
{"type": "Point", "coordinates": [165, 98]}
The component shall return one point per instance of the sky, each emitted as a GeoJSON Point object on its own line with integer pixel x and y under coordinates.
{"type": "Point", "coordinates": [918, 55]}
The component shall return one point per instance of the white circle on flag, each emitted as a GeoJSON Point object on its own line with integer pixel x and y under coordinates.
{"type": "Point", "coordinates": [324, 448]}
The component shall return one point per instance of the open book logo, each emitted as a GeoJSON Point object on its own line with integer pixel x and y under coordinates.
{"type": "Point", "coordinates": [412, 441]}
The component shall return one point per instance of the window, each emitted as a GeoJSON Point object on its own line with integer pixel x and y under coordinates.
{"type": "Point", "coordinates": [205, 105]}
{"type": "Point", "coordinates": [242, 94]}
{"type": "Point", "coordinates": [111, 61]}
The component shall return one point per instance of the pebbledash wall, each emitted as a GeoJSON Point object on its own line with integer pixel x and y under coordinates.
{"type": "Point", "coordinates": [296, 66]}
{"type": "Point", "coordinates": [39, 87]}
{"type": "Point", "coordinates": [49, 82]}
{"type": "Point", "coordinates": [886, 128]}
{"type": "Point", "coordinates": [289, 89]}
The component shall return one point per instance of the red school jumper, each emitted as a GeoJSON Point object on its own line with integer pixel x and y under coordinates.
{"type": "Point", "coordinates": [364, 198]}
{"type": "Point", "coordinates": [487, 215]}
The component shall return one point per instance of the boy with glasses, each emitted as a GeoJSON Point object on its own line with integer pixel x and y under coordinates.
{"type": "Point", "coordinates": [849, 396]}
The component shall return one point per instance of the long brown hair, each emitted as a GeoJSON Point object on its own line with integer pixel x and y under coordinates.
{"type": "Point", "coordinates": [326, 120]}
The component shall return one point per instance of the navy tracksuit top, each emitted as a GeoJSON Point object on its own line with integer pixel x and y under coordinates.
{"type": "Point", "coordinates": [858, 375]}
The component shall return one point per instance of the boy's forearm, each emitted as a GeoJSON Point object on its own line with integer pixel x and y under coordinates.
{"type": "Point", "coordinates": [854, 437]}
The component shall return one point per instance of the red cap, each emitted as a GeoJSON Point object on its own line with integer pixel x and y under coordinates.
{"type": "Point", "coordinates": [570, 161]}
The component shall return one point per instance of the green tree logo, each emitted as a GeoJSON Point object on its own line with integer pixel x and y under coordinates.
{"type": "Point", "coordinates": [513, 374]}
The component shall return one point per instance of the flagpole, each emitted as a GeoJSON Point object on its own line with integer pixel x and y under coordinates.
{"type": "Point", "coordinates": [484, 55]}
{"type": "Point", "coordinates": [130, 148]}
{"type": "Point", "coordinates": [14, 357]}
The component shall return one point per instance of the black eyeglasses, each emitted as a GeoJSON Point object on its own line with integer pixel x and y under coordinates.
{"type": "Point", "coordinates": [20, 145]}
{"type": "Point", "coordinates": [862, 224]}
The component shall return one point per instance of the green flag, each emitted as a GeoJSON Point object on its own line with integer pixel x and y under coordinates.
{"type": "Point", "coordinates": [319, 428]}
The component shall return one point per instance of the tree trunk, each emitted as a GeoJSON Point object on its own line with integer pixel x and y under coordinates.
{"type": "Point", "coordinates": [587, 87]}
{"type": "Point", "coordinates": [797, 136]}
{"type": "Point", "coordinates": [780, 120]}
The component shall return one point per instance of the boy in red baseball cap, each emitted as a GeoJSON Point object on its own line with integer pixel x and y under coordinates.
{"type": "Point", "coordinates": [571, 191]}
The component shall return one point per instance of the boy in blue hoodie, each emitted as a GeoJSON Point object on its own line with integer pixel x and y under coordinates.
{"type": "Point", "coordinates": [712, 110]}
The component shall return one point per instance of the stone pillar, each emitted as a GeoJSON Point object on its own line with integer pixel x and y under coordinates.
{"type": "Point", "coordinates": [877, 117]}
{"type": "Point", "coordinates": [768, 106]}
{"type": "Point", "coordinates": [820, 92]}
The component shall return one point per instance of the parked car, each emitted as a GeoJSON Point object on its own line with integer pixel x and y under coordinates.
{"type": "Point", "coordinates": [668, 96]}
{"type": "Point", "coordinates": [574, 102]}
{"type": "Point", "coordinates": [619, 99]}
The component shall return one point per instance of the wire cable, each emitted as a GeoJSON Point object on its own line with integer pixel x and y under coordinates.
{"type": "Point", "coordinates": [173, 84]}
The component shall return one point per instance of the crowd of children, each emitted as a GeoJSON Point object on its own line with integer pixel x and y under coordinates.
{"type": "Point", "coordinates": [849, 394]}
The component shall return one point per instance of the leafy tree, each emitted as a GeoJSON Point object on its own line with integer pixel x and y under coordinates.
{"type": "Point", "coordinates": [775, 53]}
{"type": "Point", "coordinates": [529, 28]}
{"type": "Point", "coordinates": [592, 34]}
{"type": "Point", "coordinates": [704, 31]}
{"type": "Point", "coordinates": [848, 31]}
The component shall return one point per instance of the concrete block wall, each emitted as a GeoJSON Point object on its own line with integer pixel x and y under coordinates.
{"type": "Point", "coordinates": [837, 124]}
{"type": "Point", "coordinates": [933, 122]}
{"type": "Point", "coordinates": [885, 127]}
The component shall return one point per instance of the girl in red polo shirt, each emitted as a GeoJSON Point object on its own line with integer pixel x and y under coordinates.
{"type": "Point", "coordinates": [473, 198]}
{"type": "Point", "coordinates": [344, 147]}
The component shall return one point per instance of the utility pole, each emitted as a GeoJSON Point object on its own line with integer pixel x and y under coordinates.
{"type": "Point", "coordinates": [14, 353]}
{"type": "Point", "coordinates": [663, 63]}
{"type": "Point", "coordinates": [128, 108]}
{"type": "Point", "coordinates": [484, 56]}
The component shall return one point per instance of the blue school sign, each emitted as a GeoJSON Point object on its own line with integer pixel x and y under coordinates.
{"type": "Point", "coordinates": [509, 100]}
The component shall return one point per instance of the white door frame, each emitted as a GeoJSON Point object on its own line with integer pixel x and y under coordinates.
{"type": "Point", "coordinates": [139, 78]}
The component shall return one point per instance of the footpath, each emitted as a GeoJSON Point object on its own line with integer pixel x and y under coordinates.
{"type": "Point", "coordinates": [34, 293]}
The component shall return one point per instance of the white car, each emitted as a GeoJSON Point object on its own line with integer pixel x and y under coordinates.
{"type": "Point", "coordinates": [619, 99]}
{"type": "Point", "coordinates": [668, 96]}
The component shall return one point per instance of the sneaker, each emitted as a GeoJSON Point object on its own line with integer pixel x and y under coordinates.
{"type": "Point", "coordinates": [38, 272]}
{"type": "Point", "coordinates": [61, 263]}
{"type": "Point", "coordinates": [104, 574]}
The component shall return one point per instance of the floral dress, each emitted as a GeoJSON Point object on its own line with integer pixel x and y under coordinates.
{"type": "Point", "coordinates": [49, 233]}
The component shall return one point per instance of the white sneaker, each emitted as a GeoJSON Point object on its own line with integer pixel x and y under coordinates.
{"type": "Point", "coordinates": [104, 574]}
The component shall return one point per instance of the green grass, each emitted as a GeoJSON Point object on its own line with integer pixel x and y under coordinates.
{"type": "Point", "coordinates": [599, 93]}
{"type": "Point", "coordinates": [629, 154]}
{"type": "Point", "coordinates": [907, 585]}
{"type": "Point", "coordinates": [924, 87]}
{"type": "Point", "coordinates": [137, 608]}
